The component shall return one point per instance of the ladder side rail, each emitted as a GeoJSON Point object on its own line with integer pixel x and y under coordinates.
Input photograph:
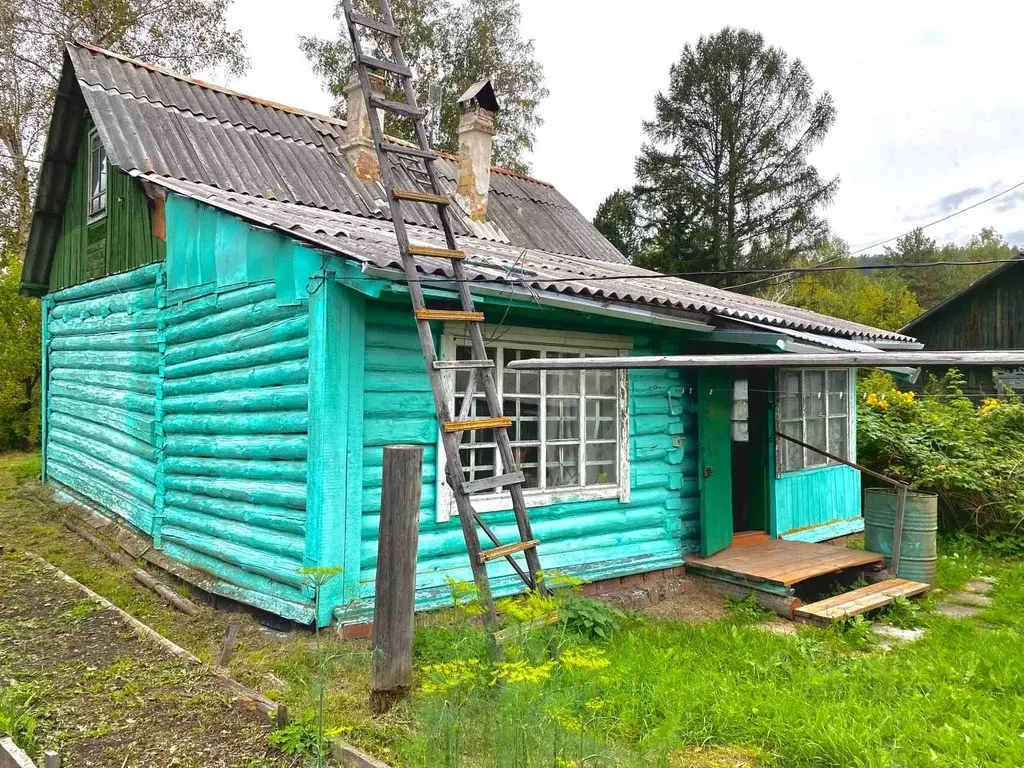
{"type": "Point", "coordinates": [476, 337]}
{"type": "Point", "coordinates": [453, 464]}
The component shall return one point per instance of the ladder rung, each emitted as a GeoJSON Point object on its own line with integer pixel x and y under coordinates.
{"type": "Point", "coordinates": [461, 365]}
{"type": "Point", "coordinates": [401, 149]}
{"type": "Point", "coordinates": [415, 196]}
{"type": "Point", "coordinates": [387, 66]}
{"type": "Point", "coordinates": [495, 422]}
{"type": "Point", "coordinates": [398, 107]}
{"type": "Point", "coordinates": [371, 23]}
{"type": "Point", "coordinates": [453, 315]}
{"type": "Point", "coordinates": [487, 483]}
{"type": "Point", "coordinates": [441, 253]}
{"type": "Point", "coordinates": [508, 549]}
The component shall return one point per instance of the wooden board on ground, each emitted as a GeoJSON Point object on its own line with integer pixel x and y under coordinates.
{"type": "Point", "coordinates": [782, 562]}
{"type": "Point", "coordinates": [858, 601]}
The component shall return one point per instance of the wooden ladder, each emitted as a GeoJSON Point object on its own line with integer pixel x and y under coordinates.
{"type": "Point", "coordinates": [480, 369]}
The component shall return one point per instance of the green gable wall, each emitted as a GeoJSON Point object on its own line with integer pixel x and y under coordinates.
{"type": "Point", "coordinates": [119, 242]}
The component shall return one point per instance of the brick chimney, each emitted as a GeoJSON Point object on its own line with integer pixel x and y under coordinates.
{"type": "Point", "coordinates": [477, 108]}
{"type": "Point", "coordinates": [358, 146]}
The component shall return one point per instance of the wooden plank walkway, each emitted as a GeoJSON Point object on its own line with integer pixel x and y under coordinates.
{"type": "Point", "coordinates": [781, 562]}
{"type": "Point", "coordinates": [858, 601]}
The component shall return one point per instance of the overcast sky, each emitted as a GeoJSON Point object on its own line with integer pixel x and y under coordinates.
{"type": "Point", "coordinates": [929, 95]}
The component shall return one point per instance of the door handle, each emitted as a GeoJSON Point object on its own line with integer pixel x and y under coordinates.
{"type": "Point", "coordinates": [708, 471]}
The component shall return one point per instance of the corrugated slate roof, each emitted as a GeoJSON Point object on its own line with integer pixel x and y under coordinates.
{"type": "Point", "coordinates": [373, 242]}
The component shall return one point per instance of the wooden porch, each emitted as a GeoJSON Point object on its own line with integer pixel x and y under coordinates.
{"type": "Point", "coordinates": [782, 564]}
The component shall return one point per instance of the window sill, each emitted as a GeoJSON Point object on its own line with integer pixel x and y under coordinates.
{"type": "Point", "coordinates": [503, 502]}
{"type": "Point", "coordinates": [812, 470]}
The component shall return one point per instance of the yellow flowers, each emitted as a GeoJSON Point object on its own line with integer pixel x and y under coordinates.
{"type": "Point", "coordinates": [889, 399]}
{"type": "Point", "coordinates": [450, 675]}
{"type": "Point", "coordinates": [589, 659]}
{"type": "Point", "coordinates": [877, 402]}
{"type": "Point", "coordinates": [988, 405]}
{"type": "Point", "coordinates": [522, 672]}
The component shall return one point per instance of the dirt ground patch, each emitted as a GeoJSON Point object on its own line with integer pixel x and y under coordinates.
{"type": "Point", "coordinates": [104, 696]}
{"type": "Point", "coordinates": [697, 603]}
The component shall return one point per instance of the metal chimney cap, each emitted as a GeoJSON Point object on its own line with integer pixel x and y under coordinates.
{"type": "Point", "coordinates": [480, 93]}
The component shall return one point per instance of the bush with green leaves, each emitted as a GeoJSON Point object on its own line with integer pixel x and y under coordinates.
{"type": "Point", "coordinates": [969, 453]}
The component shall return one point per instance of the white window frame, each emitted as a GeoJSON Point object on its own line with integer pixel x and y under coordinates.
{"type": "Point", "coordinates": [100, 211]}
{"type": "Point", "coordinates": [780, 421]}
{"type": "Point", "coordinates": [590, 345]}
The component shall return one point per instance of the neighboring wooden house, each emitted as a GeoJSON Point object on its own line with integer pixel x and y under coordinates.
{"type": "Point", "coordinates": [986, 315]}
{"type": "Point", "coordinates": [228, 345]}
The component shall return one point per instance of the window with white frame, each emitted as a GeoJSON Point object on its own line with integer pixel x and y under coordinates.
{"type": "Point", "coordinates": [568, 432]}
{"type": "Point", "coordinates": [97, 177]}
{"type": "Point", "coordinates": [814, 406]}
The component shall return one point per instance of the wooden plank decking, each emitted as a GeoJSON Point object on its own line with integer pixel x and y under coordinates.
{"type": "Point", "coordinates": [783, 563]}
{"type": "Point", "coordinates": [869, 598]}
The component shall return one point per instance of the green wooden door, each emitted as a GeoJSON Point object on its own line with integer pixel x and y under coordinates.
{"type": "Point", "coordinates": [714, 409]}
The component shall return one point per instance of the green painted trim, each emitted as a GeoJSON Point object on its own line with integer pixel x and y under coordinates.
{"type": "Point", "coordinates": [350, 275]}
{"type": "Point", "coordinates": [826, 531]}
{"type": "Point", "coordinates": [44, 381]}
{"type": "Point", "coordinates": [334, 485]}
{"type": "Point", "coordinates": [158, 408]}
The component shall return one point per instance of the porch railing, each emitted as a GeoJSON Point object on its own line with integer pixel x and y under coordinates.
{"type": "Point", "coordinates": [899, 485]}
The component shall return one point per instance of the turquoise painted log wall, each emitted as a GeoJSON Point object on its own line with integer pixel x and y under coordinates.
{"type": "Point", "coordinates": [592, 539]}
{"type": "Point", "coordinates": [103, 358]}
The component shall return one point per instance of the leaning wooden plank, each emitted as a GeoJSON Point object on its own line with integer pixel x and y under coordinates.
{"type": "Point", "coordinates": [863, 600]}
{"type": "Point", "coordinates": [182, 604]}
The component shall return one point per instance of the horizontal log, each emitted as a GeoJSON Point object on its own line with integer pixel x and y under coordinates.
{"type": "Point", "coordinates": [232, 574]}
{"type": "Point", "coordinates": [125, 341]}
{"type": "Point", "coordinates": [143, 383]}
{"type": "Point", "coordinates": [142, 489]}
{"type": "Point", "coordinates": [274, 518]}
{"type": "Point", "coordinates": [254, 561]}
{"type": "Point", "coordinates": [288, 372]}
{"type": "Point", "coordinates": [268, 540]}
{"type": "Point", "coordinates": [236, 469]}
{"type": "Point", "coordinates": [112, 398]}
{"type": "Point", "coordinates": [287, 398]}
{"type": "Point", "coordinates": [243, 447]}
{"type": "Point", "coordinates": [138, 465]}
{"type": "Point", "coordinates": [119, 283]}
{"type": "Point", "coordinates": [273, 493]}
{"type": "Point", "coordinates": [247, 338]}
{"type": "Point", "coordinates": [103, 493]}
{"type": "Point", "coordinates": [249, 316]}
{"type": "Point", "coordinates": [101, 433]}
{"type": "Point", "coordinates": [131, 362]}
{"type": "Point", "coordinates": [274, 423]}
{"type": "Point", "coordinates": [297, 349]}
{"type": "Point", "coordinates": [128, 302]}
{"type": "Point", "coordinates": [217, 303]}
{"type": "Point", "coordinates": [136, 425]}
{"type": "Point", "coordinates": [88, 326]}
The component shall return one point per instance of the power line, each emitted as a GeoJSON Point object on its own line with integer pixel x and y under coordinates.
{"type": "Point", "coordinates": [947, 217]}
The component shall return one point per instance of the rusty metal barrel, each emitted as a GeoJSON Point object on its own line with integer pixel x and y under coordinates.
{"type": "Point", "coordinates": [918, 550]}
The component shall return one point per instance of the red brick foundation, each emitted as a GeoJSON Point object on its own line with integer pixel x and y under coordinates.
{"type": "Point", "coordinates": [631, 593]}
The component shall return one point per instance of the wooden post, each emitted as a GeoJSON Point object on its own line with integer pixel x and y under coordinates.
{"type": "Point", "coordinates": [51, 759]}
{"type": "Point", "coordinates": [228, 649]}
{"type": "Point", "coordinates": [396, 575]}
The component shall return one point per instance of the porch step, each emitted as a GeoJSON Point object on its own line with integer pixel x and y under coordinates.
{"type": "Point", "coordinates": [869, 598]}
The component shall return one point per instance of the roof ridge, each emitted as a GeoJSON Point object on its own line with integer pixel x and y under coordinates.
{"type": "Point", "coordinates": [271, 104]}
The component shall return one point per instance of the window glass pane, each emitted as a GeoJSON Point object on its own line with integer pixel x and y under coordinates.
{"type": "Point", "coordinates": [563, 418]}
{"type": "Point", "coordinates": [528, 459]}
{"type": "Point", "coordinates": [789, 395]}
{"type": "Point", "coordinates": [815, 437]}
{"type": "Point", "coordinates": [563, 466]}
{"type": "Point", "coordinates": [814, 397]}
{"type": "Point", "coordinates": [838, 431]}
{"type": "Point", "coordinates": [525, 382]}
{"type": "Point", "coordinates": [600, 383]}
{"type": "Point", "coordinates": [792, 455]}
{"type": "Point", "coordinates": [601, 419]}
{"type": "Point", "coordinates": [838, 392]}
{"type": "Point", "coordinates": [563, 382]}
{"type": "Point", "coordinates": [601, 463]}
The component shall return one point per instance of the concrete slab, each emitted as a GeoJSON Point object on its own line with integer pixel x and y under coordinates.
{"type": "Point", "coordinates": [954, 611]}
{"type": "Point", "coordinates": [897, 635]}
{"type": "Point", "coordinates": [969, 598]}
{"type": "Point", "coordinates": [978, 586]}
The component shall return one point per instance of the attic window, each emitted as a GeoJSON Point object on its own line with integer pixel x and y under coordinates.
{"type": "Point", "coordinates": [97, 177]}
